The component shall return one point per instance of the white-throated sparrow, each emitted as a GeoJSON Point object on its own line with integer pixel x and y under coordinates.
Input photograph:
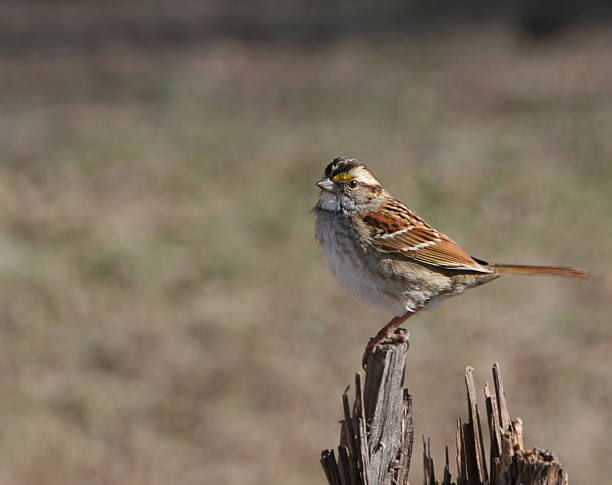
{"type": "Point", "coordinates": [385, 255]}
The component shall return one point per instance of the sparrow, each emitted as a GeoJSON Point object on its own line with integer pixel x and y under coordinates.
{"type": "Point", "coordinates": [385, 255]}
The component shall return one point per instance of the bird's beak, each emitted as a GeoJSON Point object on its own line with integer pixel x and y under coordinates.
{"type": "Point", "coordinates": [326, 184]}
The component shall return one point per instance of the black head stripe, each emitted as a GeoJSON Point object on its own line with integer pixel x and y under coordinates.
{"type": "Point", "coordinates": [341, 165]}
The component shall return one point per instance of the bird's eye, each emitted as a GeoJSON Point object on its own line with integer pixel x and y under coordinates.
{"type": "Point", "coordinates": [352, 184]}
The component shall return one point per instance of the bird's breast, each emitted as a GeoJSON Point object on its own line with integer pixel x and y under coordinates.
{"type": "Point", "coordinates": [360, 270]}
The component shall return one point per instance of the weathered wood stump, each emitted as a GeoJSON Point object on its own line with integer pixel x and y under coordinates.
{"type": "Point", "coordinates": [376, 435]}
{"type": "Point", "coordinates": [376, 438]}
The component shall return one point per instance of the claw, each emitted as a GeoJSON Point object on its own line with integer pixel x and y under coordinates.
{"type": "Point", "coordinates": [400, 335]}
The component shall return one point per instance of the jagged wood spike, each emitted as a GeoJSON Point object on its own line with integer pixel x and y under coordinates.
{"type": "Point", "coordinates": [405, 452]}
{"type": "Point", "coordinates": [447, 476]}
{"type": "Point", "coordinates": [330, 466]}
{"type": "Point", "coordinates": [344, 466]}
{"type": "Point", "coordinates": [482, 451]}
{"type": "Point", "coordinates": [478, 468]}
{"type": "Point", "coordinates": [494, 432]}
{"type": "Point", "coordinates": [504, 416]}
{"type": "Point", "coordinates": [461, 458]}
{"type": "Point", "coordinates": [493, 421]}
{"type": "Point", "coordinates": [429, 477]}
{"type": "Point", "coordinates": [359, 416]}
{"type": "Point", "coordinates": [350, 436]}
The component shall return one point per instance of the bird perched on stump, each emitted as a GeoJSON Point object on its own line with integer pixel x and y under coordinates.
{"type": "Point", "coordinates": [385, 255]}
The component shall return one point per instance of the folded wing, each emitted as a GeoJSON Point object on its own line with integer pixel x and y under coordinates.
{"type": "Point", "coordinates": [399, 230]}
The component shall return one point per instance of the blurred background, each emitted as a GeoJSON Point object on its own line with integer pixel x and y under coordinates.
{"type": "Point", "coordinates": [165, 315]}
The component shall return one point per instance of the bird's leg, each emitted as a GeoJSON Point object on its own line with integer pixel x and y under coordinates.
{"type": "Point", "coordinates": [387, 333]}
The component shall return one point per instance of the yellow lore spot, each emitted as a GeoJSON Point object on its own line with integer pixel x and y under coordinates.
{"type": "Point", "coordinates": [343, 177]}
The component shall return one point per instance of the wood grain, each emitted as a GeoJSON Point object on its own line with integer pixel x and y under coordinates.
{"type": "Point", "coordinates": [377, 434]}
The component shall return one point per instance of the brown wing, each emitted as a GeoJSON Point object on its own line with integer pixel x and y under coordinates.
{"type": "Point", "coordinates": [399, 230]}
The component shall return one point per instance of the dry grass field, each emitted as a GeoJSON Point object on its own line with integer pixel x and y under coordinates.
{"type": "Point", "coordinates": [165, 315]}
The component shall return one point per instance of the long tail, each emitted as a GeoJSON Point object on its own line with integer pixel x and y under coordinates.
{"type": "Point", "coordinates": [540, 270]}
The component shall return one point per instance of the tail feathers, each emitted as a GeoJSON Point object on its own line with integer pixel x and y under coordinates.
{"type": "Point", "coordinates": [540, 270]}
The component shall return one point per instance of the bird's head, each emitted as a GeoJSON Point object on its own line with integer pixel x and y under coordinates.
{"type": "Point", "coordinates": [348, 184]}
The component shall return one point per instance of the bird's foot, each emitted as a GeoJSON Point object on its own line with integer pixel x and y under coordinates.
{"type": "Point", "coordinates": [399, 336]}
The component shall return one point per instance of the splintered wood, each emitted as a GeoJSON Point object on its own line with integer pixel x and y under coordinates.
{"type": "Point", "coordinates": [376, 435]}
{"type": "Point", "coordinates": [509, 462]}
